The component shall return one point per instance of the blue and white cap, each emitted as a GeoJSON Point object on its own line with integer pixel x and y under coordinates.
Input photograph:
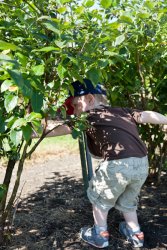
{"type": "Point", "coordinates": [86, 88]}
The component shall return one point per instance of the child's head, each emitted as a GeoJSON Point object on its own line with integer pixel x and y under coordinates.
{"type": "Point", "coordinates": [86, 97]}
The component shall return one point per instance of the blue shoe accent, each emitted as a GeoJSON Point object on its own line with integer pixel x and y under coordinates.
{"type": "Point", "coordinates": [90, 236]}
{"type": "Point", "coordinates": [135, 238]}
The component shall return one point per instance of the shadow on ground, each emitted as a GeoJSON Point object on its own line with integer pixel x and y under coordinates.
{"type": "Point", "coordinates": [52, 217]}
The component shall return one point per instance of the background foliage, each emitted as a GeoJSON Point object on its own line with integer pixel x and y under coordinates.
{"type": "Point", "coordinates": [45, 45]}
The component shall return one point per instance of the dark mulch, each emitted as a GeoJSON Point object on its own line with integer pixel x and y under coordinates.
{"type": "Point", "coordinates": [52, 218]}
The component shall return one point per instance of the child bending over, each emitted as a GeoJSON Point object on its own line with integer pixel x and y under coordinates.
{"type": "Point", "coordinates": [113, 136]}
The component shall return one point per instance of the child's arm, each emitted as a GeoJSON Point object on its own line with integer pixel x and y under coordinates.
{"type": "Point", "coordinates": [152, 117]}
{"type": "Point", "coordinates": [59, 130]}
{"type": "Point", "coordinates": [54, 129]}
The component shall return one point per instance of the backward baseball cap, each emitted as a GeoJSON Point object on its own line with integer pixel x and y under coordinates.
{"type": "Point", "coordinates": [87, 87]}
{"type": "Point", "coordinates": [81, 89]}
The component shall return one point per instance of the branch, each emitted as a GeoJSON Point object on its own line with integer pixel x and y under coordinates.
{"type": "Point", "coordinates": [14, 6]}
{"type": "Point", "coordinates": [33, 7]}
{"type": "Point", "coordinates": [6, 182]}
{"type": "Point", "coordinates": [83, 47]}
{"type": "Point", "coordinates": [16, 206]}
{"type": "Point", "coordinates": [140, 70]}
{"type": "Point", "coordinates": [44, 134]}
{"type": "Point", "coordinates": [142, 78]}
{"type": "Point", "coordinates": [16, 185]}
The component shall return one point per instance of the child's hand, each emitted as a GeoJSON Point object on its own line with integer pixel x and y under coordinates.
{"type": "Point", "coordinates": [153, 118]}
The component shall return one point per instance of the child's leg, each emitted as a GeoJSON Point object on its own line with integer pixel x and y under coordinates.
{"type": "Point", "coordinates": [131, 229]}
{"type": "Point", "coordinates": [132, 220]}
{"type": "Point", "coordinates": [97, 235]}
{"type": "Point", "coordinates": [100, 219]}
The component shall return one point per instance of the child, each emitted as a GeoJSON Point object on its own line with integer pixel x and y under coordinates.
{"type": "Point", "coordinates": [113, 136]}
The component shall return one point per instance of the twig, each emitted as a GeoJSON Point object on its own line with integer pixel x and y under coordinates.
{"type": "Point", "coordinates": [14, 6]}
{"type": "Point", "coordinates": [83, 46]}
{"type": "Point", "coordinates": [15, 209]}
{"type": "Point", "coordinates": [44, 134]}
{"type": "Point", "coordinates": [142, 78]}
{"type": "Point", "coordinates": [33, 7]}
{"type": "Point", "coordinates": [20, 193]}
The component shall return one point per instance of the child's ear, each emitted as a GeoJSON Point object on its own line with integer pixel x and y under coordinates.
{"type": "Point", "coordinates": [90, 99]}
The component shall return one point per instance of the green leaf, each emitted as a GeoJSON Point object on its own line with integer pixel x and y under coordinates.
{"type": "Point", "coordinates": [38, 70]}
{"type": "Point", "coordinates": [106, 3]}
{"type": "Point", "coordinates": [71, 89]}
{"type": "Point", "coordinates": [126, 19]}
{"type": "Point", "coordinates": [75, 134]}
{"type": "Point", "coordinates": [61, 71]}
{"type": "Point", "coordinates": [62, 9]}
{"type": "Point", "coordinates": [75, 74]}
{"type": "Point", "coordinates": [37, 101]}
{"type": "Point", "coordinates": [150, 4]}
{"type": "Point", "coordinates": [119, 40]}
{"type": "Point", "coordinates": [17, 77]}
{"type": "Point", "coordinates": [7, 59]}
{"type": "Point", "coordinates": [47, 49]}
{"type": "Point", "coordinates": [10, 121]}
{"type": "Point", "coordinates": [22, 59]}
{"type": "Point", "coordinates": [114, 96]}
{"type": "Point", "coordinates": [16, 137]}
{"type": "Point", "coordinates": [110, 53]}
{"type": "Point", "coordinates": [19, 123]}
{"type": "Point", "coordinates": [114, 25]}
{"type": "Point", "coordinates": [5, 85]}
{"type": "Point", "coordinates": [10, 102]}
{"type": "Point", "coordinates": [5, 46]}
{"type": "Point", "coordinates": [79, 10]}
{"type": "Point", "coordinates": [60, 44]}
{"type": "Point", "coordinates": [34, 116]}
{"type": "Point", "coordinates": [144, 15]}
{"type": "Point", "coordinates": [27, 89]}
{"type": "Point", "coordinates": [89, 3]}
{"type": "Point", "coordinates": [103, 63]}
{"type": "Point", "coordinates": [37, 126]}
{"type": "Point", "coordinates": [27, 131]}
{"type": "Point", "coordinates": [94, 75]}
{"type": "Point", "coordinates": [65, 1]}
{"type": "Point", "coordinates": [6, 145]}
{"type": "Point", "coordinates": [52, 26]}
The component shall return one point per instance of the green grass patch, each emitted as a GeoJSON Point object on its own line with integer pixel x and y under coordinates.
{"type": "Point", "coordinates": [56, 144]}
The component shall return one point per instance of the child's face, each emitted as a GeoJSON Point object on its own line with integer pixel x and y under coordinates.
{"type": "Point", "coordinates": [81, 104]}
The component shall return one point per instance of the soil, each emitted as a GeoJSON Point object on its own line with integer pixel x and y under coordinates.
{"type": "Point", "coordinates": [52, 207]}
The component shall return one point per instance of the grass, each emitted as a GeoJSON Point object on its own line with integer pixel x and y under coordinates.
{"type": "Point", "coordinates": [57, 144]}
{"type": "Point", "coordinates": [51, 146]}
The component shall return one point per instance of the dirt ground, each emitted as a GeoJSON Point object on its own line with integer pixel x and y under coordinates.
{"type": "Point", "coordinates": [52, 207]}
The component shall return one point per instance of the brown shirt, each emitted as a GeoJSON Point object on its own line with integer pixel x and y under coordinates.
{"type": "Point", "coordinates": [113, 133]}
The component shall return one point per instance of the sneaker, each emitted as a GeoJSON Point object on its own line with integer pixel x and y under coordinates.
{"type": "Point", "coordinates": [136, 238]}
{"type": "Point", "coordinates": [90, 236]}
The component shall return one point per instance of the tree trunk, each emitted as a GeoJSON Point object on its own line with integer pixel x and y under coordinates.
{"type": "Point", "coordinates": [5, 209]}
{"type": "Point", "coordinates": [162, 162]}
{"type": "Point", "coordinates": [16, 185]}
{"type": "Point", "coordinates": [6, 182]}
{"type": "Point", "coordinates": [1, 236]}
